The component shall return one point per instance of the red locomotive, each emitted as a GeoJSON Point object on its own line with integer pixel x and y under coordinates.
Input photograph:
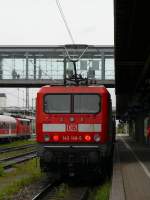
{"type": "Point", "coordinates": [14, 128]}
{"type": "Point", "coordinates": [74, 123]}
{"type": "Point", "coordinates": [74, 128]}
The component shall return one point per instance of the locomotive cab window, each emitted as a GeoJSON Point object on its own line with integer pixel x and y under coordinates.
{"type": "Point", "coordinates": [72, 103]}
{"type": "Point", "coordinates": [86, 103]}
{"type": "Point", "coordinates": [57, 103]}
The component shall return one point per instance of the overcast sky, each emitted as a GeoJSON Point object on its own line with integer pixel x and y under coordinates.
{"type": "Point", "coordinates": [39, 21]}
{"type": "Point", "coordinates": [36, 22]}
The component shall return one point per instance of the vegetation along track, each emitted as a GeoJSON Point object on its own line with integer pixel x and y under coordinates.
{"type": "Point", "coordinates": [51, 192]}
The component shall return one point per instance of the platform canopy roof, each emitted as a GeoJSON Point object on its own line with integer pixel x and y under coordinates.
{"type": "Point", "coordinates": [132, 54]}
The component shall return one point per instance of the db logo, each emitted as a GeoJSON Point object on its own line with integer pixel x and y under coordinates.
{"type": "Point", "coordinates": [72, 127]}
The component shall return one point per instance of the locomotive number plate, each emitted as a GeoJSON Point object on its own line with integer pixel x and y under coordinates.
{"type": "Point", "coordinates": [72, 127]}
{"type": "Point", "coordinates": [71, 138]}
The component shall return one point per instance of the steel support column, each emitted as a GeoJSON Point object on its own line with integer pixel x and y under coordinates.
{"type": "Point", "coordinates": [103, 65]}
{"type": "Point", "coordinates": [27, 66]}
{"type": "Point", "coordinates": [65, 69]}
{"type": "Point", "coordinates": [1, 68]}
{"type": "Point", "coordinates": [27, 77]}
{"type": "Point", "coordinates": [27, 98]}
{"type": "Point", "coordinates": [34, 68]}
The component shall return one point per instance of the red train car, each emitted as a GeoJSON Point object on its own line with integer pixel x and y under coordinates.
{"type": "Point", "coordinates": [7, 127]}
{"type": "Point", "coordinates": [23, 127]}
{"type": "Point", "coordinates": [14, 128]}
{"type": "Point", "coordinates": [74, 128]}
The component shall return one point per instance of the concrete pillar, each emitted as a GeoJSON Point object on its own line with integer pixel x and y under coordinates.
{"type": "Point", "coordinates": [1, 68]}
{"type": "Point", "coordinates": [139, 128]}
{"type": "Point", "coordinates": [131, 128]}
{"type": "Point", "coordinates": [103, 65]}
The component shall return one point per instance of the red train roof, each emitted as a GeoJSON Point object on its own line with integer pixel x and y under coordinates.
{"type": "Point", "coordinates": [73, 89]}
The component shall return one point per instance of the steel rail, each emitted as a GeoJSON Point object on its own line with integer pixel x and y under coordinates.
{"type": "Point", "coordinates": [17, 160]}
{"type": "Point", "coordinates": [18, 156]}
{"type": "Point", "coordinates": [43, 193]}
{"type": "Point", "coordinates": [15, 148]}
{"type": "Point", "coordinates": [85, 194]}
{"type": "Point", "coordinates": [78, 193]}
{"type": "Point", "coordinates": [21, 160]}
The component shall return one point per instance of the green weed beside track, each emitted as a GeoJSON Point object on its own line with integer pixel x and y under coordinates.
{"type": "Point", "coordinates": [1, 170]}
{"type": "Point", "coordinates": [62, 191]}
{"type": "Point", "coordinates": [23, 175]}
{"type": "Point", "coordinates": [101, 192]}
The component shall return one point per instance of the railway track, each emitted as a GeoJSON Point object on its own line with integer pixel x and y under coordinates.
{"type": "Point", "coordinates": [78, 193]}
{"type": "Point", "coordinates": [11, 161]}
{"type": "Point", "coordinates": [41, 195]}
{"type": "Point", "coordinates": [16, 148]}
{"type": "Point", "coordinates": [50, 193]}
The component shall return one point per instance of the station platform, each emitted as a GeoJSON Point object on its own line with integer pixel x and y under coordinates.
{"type": "Point", "coordinates": [131, 170]}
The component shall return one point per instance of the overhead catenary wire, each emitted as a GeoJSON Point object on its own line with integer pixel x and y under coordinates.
{"type": "Point", "coordinates": [77, 59]}
{"type": "Point", "coordinates": [69, 32]}
{"type": "Point", "coordinates": [65, 21]}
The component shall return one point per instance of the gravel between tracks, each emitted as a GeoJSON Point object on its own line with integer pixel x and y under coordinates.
{"type": "Point", "coordinates": [28, 192]}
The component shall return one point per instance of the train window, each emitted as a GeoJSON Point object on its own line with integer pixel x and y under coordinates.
{"type": "Point", "coordinates": [4, 125]}
{"type": "Point", "coordinates": [57, 103]}
{"type": "Point", "coordinates": [1, 125]}
{"type": "Point", "coordinates": [87, 103]}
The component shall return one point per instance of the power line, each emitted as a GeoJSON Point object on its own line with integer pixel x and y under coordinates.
{"type": "Point", "coordinates": [65, 21]}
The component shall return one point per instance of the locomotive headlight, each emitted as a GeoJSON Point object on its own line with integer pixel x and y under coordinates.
{"type": "Point", "coordinates": [46, 138]}
{"type": "Point", "coordinates": [87, 138]}
{"type": "Point", "coordinates": [97, 138]}
{"type": "Point", "coordinates": [71, 119]}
